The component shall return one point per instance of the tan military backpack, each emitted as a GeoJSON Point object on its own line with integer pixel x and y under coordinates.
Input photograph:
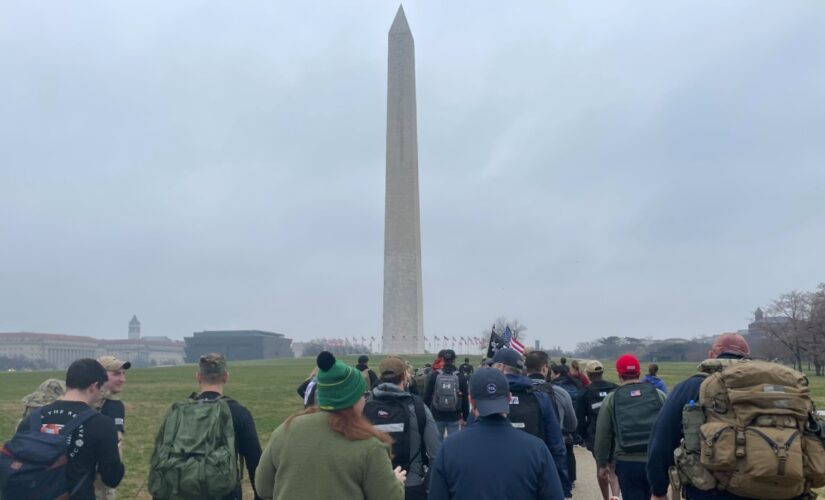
{"type": "Point", "coordinates": [757, 439]}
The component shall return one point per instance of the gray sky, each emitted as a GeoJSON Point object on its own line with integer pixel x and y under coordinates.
{"type": "Point", "coordinates": [628, 168]}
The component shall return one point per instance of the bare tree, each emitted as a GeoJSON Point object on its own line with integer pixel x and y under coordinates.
{"type": "Point", "coordinates": [815, 338]}
{"type": "Point", "coordinates": [517, 328]}
{"type": "Point", "coordinates": [787, 321]}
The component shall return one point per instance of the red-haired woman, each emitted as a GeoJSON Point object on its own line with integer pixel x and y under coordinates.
{"type": "Point", "coordinates": [330, 450]}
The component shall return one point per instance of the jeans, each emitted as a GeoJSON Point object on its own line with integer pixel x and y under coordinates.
{"type": "Point", "coordinates": [633, 480]}
{"type": "Point", "coordinates": [450, 427]}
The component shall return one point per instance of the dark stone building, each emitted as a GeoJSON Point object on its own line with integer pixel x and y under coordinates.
{"type": "Point", "coordinates": [238, 345]}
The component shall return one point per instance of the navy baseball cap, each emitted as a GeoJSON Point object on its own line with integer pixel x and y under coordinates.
{"type": "Point", "coordinates": [490, 392]}
{"type": "Point", "coordinates": [509, 357]}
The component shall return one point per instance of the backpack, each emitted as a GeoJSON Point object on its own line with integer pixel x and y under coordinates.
{"type": "Point", "coordinates": [445, 395]}
{"type": "Point", "coordinates": [33, 463]}
{"type": "Point", "coordinates": [195, 455]}
{"type": "Point", "coordinates": [594, 398]}
{"type": "Point", "coordinates": [525, 412]}
{"type": "Point", "coordinates": [392, 416]}
{"type": "Point", "coordinates": [365, 374]}
{"type": "Point", "coordinates": [421, 376]}
{"type": "Point", "coordinates": [635, 410]}
{"type": "Point", "coordinates": [752, 432]}
{"type": "Point", "coordinates": [570, 386]}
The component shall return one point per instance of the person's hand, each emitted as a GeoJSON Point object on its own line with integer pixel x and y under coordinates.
{"type": "Point", "coordinates": [400, 475]}
{"type": "Point", "coordinates": [461, 424]}
{"type": "Point", "coordinates": [663, 497]}
{"type": "Point", "coordinates": [604, 473]}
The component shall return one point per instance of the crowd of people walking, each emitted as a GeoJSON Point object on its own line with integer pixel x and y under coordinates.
{"type": "Point", "coordinates": [507, 429]}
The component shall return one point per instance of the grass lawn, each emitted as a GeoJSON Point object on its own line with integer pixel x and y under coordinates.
{"type": "Point", "coordinates": [267, 388]}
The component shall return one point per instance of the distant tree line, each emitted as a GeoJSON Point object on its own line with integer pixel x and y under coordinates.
{"type": "Point", "coordinates": [22, 363]}
{"type": "Point", "coordinates": [647, 349]}
{"type": "Point", "coordinates": [314, 347]}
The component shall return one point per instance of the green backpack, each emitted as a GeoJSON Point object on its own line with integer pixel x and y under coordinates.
{"type": "Point", "coordinates": [195, 456]}
{"type": "Point", "coordinates": [635, 409]}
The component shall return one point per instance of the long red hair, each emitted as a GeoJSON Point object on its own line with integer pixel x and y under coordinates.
{"type": "Point", "coordinates": [347, 422]}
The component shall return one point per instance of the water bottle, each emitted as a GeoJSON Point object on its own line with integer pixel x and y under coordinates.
{"type": "Point", "coordinates": [692, 419]}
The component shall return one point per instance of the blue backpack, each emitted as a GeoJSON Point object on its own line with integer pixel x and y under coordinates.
{"type": "Point", "coordinates": [33, 463]}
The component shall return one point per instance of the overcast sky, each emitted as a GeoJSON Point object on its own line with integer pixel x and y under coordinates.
{"type": "Point", "coordinates": [629, 168]}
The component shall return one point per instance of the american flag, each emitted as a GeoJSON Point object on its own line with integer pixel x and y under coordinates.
{"type": "Point", "coordinates": [510, 342]}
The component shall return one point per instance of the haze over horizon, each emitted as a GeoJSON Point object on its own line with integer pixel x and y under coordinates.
{"type": "Point", "coordinates": [636, 169]}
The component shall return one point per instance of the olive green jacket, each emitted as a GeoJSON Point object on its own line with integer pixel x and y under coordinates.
{"type": "Point", "coordinates": [606, 449]}
{"type": "Point", "coordinates": [310, 460]}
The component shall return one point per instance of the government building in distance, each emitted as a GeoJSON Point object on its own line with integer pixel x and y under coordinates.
{"type": "Point", "coordinates": [238, 345]}
{"type": "Point", "coordinates": [58, 350]}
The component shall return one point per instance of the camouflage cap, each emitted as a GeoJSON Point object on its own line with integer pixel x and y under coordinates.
{"type": "Point", "coordinates": [212, 363]}
{"type": "Point", "coordinates": [113, 364]}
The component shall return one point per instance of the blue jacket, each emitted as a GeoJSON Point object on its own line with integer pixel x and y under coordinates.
{"type": "Point", "coordinates": [552, 428]}
{"type": "Point", "coordinates": [666, 437]}
{"type": "Point", "coordinates": [656, 381]}
{"type": "Point", "coordinates": [491, 460]}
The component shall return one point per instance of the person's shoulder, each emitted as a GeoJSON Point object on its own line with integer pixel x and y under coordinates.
{"type": "Point", "coordinates": [112, 405]}
{"type": "Point", "coordinates": [101, 422]}
{"type": "Point", "coordinates": [562, 393]}
{"type": "Point", "coordinates": [237, 408]}
{"type": "Point", "coordinates": [691, 383]}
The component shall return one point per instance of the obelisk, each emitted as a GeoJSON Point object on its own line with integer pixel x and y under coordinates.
{"type": "Point", "coordinates": [403, 313]}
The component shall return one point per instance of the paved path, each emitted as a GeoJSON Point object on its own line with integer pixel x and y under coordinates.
{"type": "Point", "coordinates": [586, 486]}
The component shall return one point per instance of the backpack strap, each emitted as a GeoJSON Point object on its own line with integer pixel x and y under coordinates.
{"type": "Point", "coordinates": [421, 418]}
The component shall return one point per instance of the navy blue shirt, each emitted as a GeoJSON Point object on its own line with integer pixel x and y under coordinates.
{"type": "Point", "coordinates": [492, 460]}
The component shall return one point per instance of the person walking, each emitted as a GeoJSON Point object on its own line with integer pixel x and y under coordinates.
{"type": "Point", "coordinates": [392, 409]}
{"type": "Point", "coordinates": [369, 376]}
{"type": "Point", "coordinates": [112, 406]}
{"type": "Point", "coordinates": [652, 378]}
{"type": "Point", "coordinates": [623, 429]}
{"type": "Point", "coordinates": [702, 405]}
{"type": "Point", "coordinates": [217, 428]}
{"type": "Point", "coordinates": [446, 395]}
{"type": "Point", "coordinates": [333, 438]}
{"type": "Point", "coordinates": [577, 373]}
{"type": "Point", "coordinates": [490, 459]}
{"type": "Point", "coordinates": [532, 411]}
{"type": "Point", "coordinates": [466, 368]}
{"type": "Point", "coordinates": [537, 366]}
{"type": "Point", "coordinates": [91, 437]}
{"type": "Point", "coordinates": [589, 405]}
{"type": "Point", "coordinates": [560, 377]}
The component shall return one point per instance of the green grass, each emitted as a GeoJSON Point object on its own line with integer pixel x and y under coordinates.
{"type": "Point", "coordinates": [267, 388]}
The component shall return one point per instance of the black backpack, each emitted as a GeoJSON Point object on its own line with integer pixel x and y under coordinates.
{"type": "Point", "coordinates": [593, 398]}
{"type": "Point", "coordinates": [392, 416]}
{"type": "Point", "coordinates": [569, 385]}
{"type": "Point", "coordinates": [525, 412]}
{"type": "Point", "coordinates": [33, 463]}
{"type": "Point", "coordinates": [635, 409]}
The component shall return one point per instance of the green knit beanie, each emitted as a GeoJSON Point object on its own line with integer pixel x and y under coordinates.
{"type": "Point", "coordinates": [339, 385]}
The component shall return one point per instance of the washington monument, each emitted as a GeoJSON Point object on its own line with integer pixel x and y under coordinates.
{"type": "Point", "coordinates": [403, 313]}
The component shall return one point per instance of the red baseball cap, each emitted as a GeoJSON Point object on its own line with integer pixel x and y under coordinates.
{"type": "Point", "coordinates": [628, 364]}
